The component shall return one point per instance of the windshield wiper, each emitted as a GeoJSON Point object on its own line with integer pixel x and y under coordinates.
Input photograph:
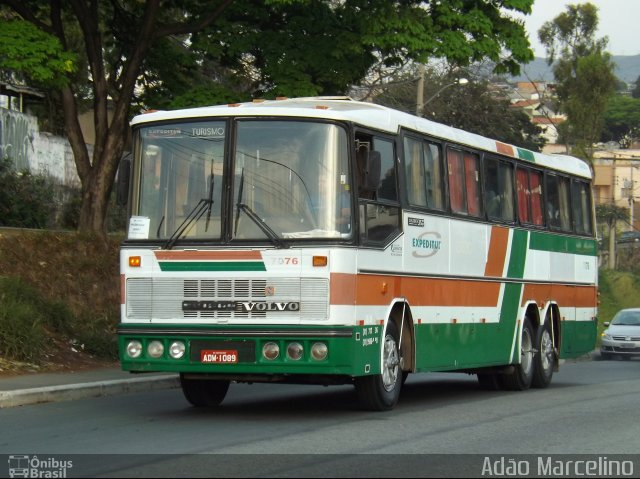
{"type": "Point", "coordinates": [266, 229]}
{"type": "Point", "coordinates": [203, 206]}
{"type": "Point", "coordinates": [194, 215]}
{"type": "Point", "coordinates": [209, 197]}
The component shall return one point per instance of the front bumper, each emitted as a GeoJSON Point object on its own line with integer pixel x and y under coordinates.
{"type": "Point", "coordinates": [352, 351]}
{"type": "Point", "coordinates": [623, 348]}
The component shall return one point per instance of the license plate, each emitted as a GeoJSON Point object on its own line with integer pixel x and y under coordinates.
{"type": "Point", "coordinates": [218, 357]}
{"type": "Point", "coordinates": [627, 345]}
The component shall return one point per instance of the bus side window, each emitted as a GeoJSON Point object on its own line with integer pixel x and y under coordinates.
{"type": "Point", "coordinates": [388, 189]}
{"type": "Point", "coordinates": [499, 190]}
{"type": "Point", "coordinates": [529, 188]}
{"type": "Point", "coordinates": [472, 183]}
{"type": "Point", "coordinates": [379, 210]}
{"type": "Point", "coordinates": [558, 210]}
{"type": "Point", "coordinates": [464, 182]}
{"type": "Point", "coordinates": [581, 205]}
{"type": "Point", "coordinates": [423, 170]}
{"type": "Point", "coordinates": [456, 181]}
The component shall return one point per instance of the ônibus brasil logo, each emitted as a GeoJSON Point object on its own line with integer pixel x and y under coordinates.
{"type": "Point", "coordinates": [33, 466]}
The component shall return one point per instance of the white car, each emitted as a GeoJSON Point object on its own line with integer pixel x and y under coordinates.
{"type": "Point", "coordinates": [622, 336]}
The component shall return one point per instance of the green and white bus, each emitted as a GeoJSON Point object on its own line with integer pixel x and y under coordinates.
{"type": "Point", "coordinates": [330, 241]}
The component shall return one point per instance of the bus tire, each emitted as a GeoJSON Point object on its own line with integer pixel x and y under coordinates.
{"type": "Point", "coordinates": [203, 392]}
{"type": "Point", "coordinates": [521, 376]}
{"type": "Point", "coordinates": [380, 392]}
{"type": "Point", "coordinates": [544, 360]}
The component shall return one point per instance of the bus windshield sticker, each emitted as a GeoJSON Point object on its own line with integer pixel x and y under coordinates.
{"type": "Point", "coordinates": [139, 227]}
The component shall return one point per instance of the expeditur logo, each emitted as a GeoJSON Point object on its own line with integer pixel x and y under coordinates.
{"type": "Point", "coordinates": [427, 244]}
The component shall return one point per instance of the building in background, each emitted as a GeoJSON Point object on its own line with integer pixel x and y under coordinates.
{"type": "Point", "coordinates": [617, 181]}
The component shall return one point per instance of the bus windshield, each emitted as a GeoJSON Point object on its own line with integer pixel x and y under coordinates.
{"type": "Point", "coordinates": [290, 181]}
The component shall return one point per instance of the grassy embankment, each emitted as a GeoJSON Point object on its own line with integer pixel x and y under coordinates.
{"type": "Point", "coordinates": [59, 299]}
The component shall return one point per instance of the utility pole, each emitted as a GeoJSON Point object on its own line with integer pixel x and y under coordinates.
{"type": "Point", "coordinates": [631, 225]}
{"type": "Point", "coordinates": [612, 219]}
{"type": "Point", "coordinates": [420, 91]}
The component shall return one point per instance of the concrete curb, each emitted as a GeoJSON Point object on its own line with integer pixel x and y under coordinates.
{"type": "Point", "coordinates": [69, 392]}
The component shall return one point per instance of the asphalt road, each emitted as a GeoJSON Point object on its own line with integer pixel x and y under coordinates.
{"type": "Point", "coordinates": [444, 425]}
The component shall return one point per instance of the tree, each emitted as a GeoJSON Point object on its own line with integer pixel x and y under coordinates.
{"type": "Point", "coordinates": [274, 47]}
{"type": "Point", "coordinates": [610, 214]}
{"type": "Point", "coordinates": [635, 93]}
{"type": "Point", "coordinates": [583, 72]}
{"type": "Point", "coordinates": [622, 120]}
{"type": "Point", "coordinates": [39, 56]}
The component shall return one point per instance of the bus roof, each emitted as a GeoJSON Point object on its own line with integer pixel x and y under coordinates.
{"type": "Point", "coordinates": [372, 116]}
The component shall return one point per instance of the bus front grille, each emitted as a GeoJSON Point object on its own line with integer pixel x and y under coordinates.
{"type": "Point", "coordinates": [165, 299]}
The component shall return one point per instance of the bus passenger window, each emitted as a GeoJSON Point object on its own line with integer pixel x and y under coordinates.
{"type": "Point", "coordinates": [456, 181]}
{"type": "Point", "coordinates": [499, 190]}
{"type": "Point", "coordinates": [529, 187]}
{"type": "Point", "coordinates": [423, 170]}
{"type": "Point", "coordinates": [464, 182]}
{"type": "Point", "coordinates": [388, 189]}
{"type": "Point", "coordinates": [472, 183]}
{"type": "Point", "coordinates": [581, 205]}
{"type": "Point", "coordinates": [558, 213]}
{"type": "Point", "coordinates": [535, 185]}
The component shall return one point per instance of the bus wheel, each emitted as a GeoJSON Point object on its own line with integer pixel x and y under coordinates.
{"type": "Point", "coordinates": [544, 360]}
{"type": "Point", "coordinates": [522, 375]}
{"type": "Point", "coordinates": [380, 392]}
{"type": "Point", "coordinates": [203, 392]}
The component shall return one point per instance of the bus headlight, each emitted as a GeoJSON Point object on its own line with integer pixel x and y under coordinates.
{"type": "Point", "coordinates": [271, 351]}
{"type": "Point", "coordinates": [294, 351]}
{"type": "Point", "coordinates": [319, 351]}
{"type": "Point", "coordinates": [134, 349]}
{"type": "Point", "coordinates": [177, 349]}
{"type": "Point", "coordinates": [155, 349]}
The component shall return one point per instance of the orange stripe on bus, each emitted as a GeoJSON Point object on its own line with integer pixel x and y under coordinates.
{"type": "Point", "coordinates": [343, 288]}
{"type": "Point", "coordinates": [573, 296]}
{"type": "Point", "coordinates": [381, 290]}
{"type": "Point", "coordinates": [497, 251]}
{"type": "Point", "coordinates": [504, 149]}
{"type": "Point", "coordinates": [208, 255]}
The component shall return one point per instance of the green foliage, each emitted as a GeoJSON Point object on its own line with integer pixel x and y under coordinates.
{"type": "Point", "coordinates": [22, 335]}
{"type": "Point", "coordinates": [622, 120]}
{"type": "Point", "coordinates": [27, 50]}
{"type": "Point", "coordinates": [635, 93]}
{"type": "Point", "coordinates": [58, 285]}
{"type": "Point", "coordinates": [583, 73]}
{"type": "Point", "coordinates": [25, 199]}
{"type": "Point", "coordinates": [610, 214]}
{"type": "Point", "coordinates": [28, 319]}
{"type": "Point", "coordinates": [618, 290]}
{"type": "Point", "coordinates": [318, 47]}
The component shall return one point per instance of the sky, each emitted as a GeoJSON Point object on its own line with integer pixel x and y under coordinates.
{"type": "Point", "coordinates": [618, 19]}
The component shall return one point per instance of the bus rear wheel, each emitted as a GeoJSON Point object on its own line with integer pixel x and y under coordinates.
{"type": "Point", "coordinates": [545, 358]}
{"type": "Point", "coordinates": [521, 376]}
{"type": "Point", "coordinates": [203, 392]}
{"type": "Point", "coordinates": [380, 392]}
